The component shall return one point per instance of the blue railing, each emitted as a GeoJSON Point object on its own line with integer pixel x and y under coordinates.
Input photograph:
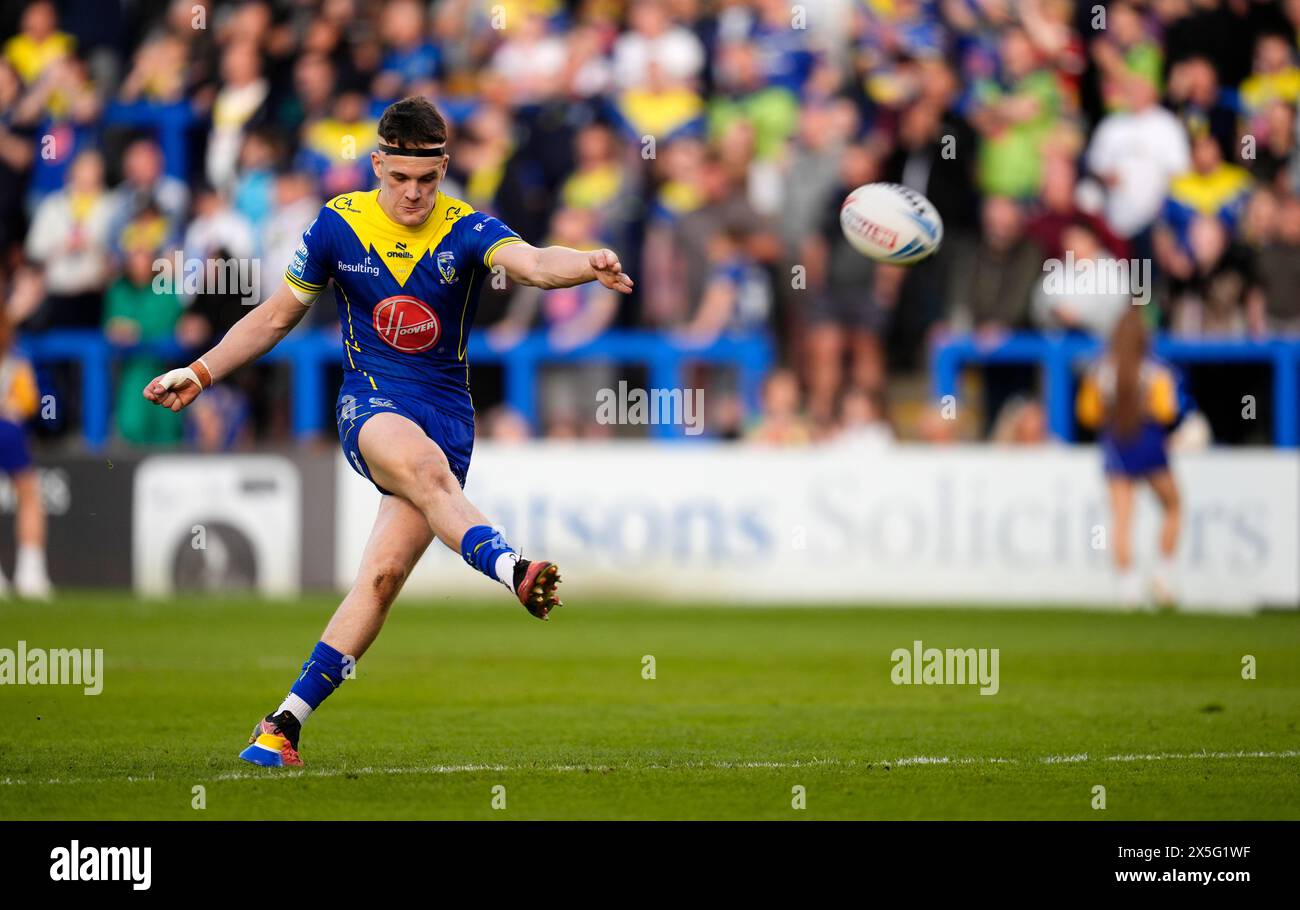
{"type": "Point", "coordinates": [310, 354]}
{"type": "Point", "coordinates": [1061, 356]}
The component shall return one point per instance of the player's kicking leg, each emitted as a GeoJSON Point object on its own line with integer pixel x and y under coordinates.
{"type": "Point", "coordinates": [428, 502]}
{"type": "Point", "coordinates": [403, 460]}
{"type": "Point", "coordinates": [397, 541]}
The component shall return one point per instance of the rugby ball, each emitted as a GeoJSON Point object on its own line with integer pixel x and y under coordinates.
{"type": "Point", "coordinates": [889, 222]}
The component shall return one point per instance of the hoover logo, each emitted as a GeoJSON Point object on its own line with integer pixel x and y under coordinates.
{"type": "Point", "coordinates": [76, 863]}
{"type": "Point", "coordinates": [406, 324]}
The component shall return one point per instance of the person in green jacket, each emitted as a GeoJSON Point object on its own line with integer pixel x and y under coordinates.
{"type": "Point", "coordinates": [134, 312]}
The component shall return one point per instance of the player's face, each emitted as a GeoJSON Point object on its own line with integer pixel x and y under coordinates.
{"type": "Point", "coordinates": [408, 185]}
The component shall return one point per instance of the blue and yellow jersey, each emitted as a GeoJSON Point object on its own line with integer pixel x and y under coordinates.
{"type": "Point", "coordinates": [1261, 89]}
{"type": "Point", "coordinates": [406, 295]}
{"type": "Point", "coordinates": [1222, 194]}
{"type": "Point", "coordinates": [1163, 399]}
{"type": "Point", "coordinates": [19, 396]}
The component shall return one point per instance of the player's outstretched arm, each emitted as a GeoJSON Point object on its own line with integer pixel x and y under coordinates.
{"type": "Point", "coordinates": [248, 339]}
{"type": "Point", "coordinates": [562, 267]}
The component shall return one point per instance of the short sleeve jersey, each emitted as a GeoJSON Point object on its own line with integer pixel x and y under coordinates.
{"type": "Point", "coordinates": [407, 296]}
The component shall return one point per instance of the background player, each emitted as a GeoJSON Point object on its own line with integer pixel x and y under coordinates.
{"type": "Point", "coordinates": [1132, 400]}
{"type": "Point", "coordinates": [18, 402]}
{"type": "Point", "coordinates": [407, 263]}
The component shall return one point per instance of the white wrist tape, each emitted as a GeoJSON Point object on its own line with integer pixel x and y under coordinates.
{"type": "Point", "coordinates": [177, 378]}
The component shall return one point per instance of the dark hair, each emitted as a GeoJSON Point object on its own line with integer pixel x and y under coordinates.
{"type": "Point", "coordinates": [412, 122]}
{"type": "Point", "coordinates": [1128, 345]}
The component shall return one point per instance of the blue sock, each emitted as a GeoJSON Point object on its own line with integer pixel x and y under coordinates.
{"type": "Point", "coordinates": [322, 673]}
{"type": "Point", "coordinates": [482, 547]}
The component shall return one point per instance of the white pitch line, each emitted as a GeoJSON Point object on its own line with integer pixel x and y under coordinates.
{"type": "Point", "coordinates": [903, 762]}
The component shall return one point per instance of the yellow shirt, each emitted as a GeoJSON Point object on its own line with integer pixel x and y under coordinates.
{"type": "Point", "coordinates": [592, 189]}
{"type": "Point", "coordinates": [19, 397]}
{"type": "Point", "coordinates": [30, 58]}
{"type": "Point", "coordinates": [659, 113]}
{"type": "Point", "coordinates": [1258, 90]}
{"type": "Point", "coordinates": [1097, 394]}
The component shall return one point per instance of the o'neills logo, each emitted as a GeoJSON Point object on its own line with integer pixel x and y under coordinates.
{"type": "Point", "coordinates": [882, 236]}
{"type": "Point", "coordinates": [406, 324]}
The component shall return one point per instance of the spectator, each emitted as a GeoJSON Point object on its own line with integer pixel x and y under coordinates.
{"type": "Point", "coordinates": [531, 61]}
{"type": "Point", "coordinates": [1211, 189]}
{"type": "Point", "coordinates": [336, 150]}
{"type": "Point", "coordinates": [1197, 98]}
{"type": "Point", "coordinates": [16, 154]}
{"type": "Point", "coordinates": [1136, 153]}
{"type": "Point", "coordinates": [39, 44]}
{"type": "Point", "coordinates": [137, 313]}
{"type": "Point", "coordinates": [737, 298]}
{"type": "Point", "coordinates": [863, 424]}
{"type": "Point", "coordinates": [571, 318]}
{"type": "Point", "coordinates": [1275, 305]}
{"type": "Point", "coordinates": [1274, 77]}
{"type": "Point", "coordinates": [19, 401]}
{"type": "Point", "coordinates": [654, 42]}
{"type": "Point", "coordinates": [1059, 209]}
{"type": "Point", "coordinates": [1021, 422]}
{"type": "Point", "coordinates": [295, 207]}
{"type": "Point", "coordinates": [411, 58]}
{"type": "Point", "coordinates": [1125, 53]}
{"type": "Point", "coordinates": [1277, 157]}
{"type": "Point", "coordinates": [992, 283]}
{"type": "Point", "coordinates": [847, 311]}
{"type": "Point", "coordinates": [217, 231]}
{"type": "Point", "coordinates": [1015, 119]}
{"type": "Point", "coordinates": [1208, 295]}
{"type": "Point", "coordinates": [1092, 294]}
{"type": "Point", "coordinates": [65, 108]}
{"type": "Point", "coordinates": [239, 103]}
{"type": "Point", "coordinates": [253, 193]}
{"type": "Point", "coordinates": [597, 182]}
{"type": "Point", "coordinates": [780, 424]}
{"type": "Point", "coordinates": [145, 186]}
{"type": "Point", "coordinates": [69, 240]}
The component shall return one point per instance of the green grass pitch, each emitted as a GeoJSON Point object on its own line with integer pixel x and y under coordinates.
{"type": "Point", "coordinates": [456, 699]}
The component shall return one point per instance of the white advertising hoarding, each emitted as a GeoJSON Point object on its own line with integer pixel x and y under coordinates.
{"type": "Point", "coordinates": [906, 524]}
{"type": "Point", "coordinates": [217, 523]}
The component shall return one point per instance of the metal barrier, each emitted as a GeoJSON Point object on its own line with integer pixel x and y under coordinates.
{"type": "Point", "coordinates": [1061, 355]}
{"type": "Point", "coordinates": [310, 353]}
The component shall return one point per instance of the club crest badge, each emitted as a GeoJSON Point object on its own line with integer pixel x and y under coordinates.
{"type": "Point", "coordinates": [447, 267]}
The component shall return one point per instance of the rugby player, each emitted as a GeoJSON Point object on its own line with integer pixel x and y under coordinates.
{"type": "Point", "coordinates": [408, 263]}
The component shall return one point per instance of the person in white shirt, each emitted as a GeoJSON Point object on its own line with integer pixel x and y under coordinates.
{"type": "Point", "coordinates": [1136, 153]}
{"type": "Point", "coordinates": [654, 39]}
{"type": "Point", "coordinates": [243, 92]}
{"type": "Point", "coordinates": [69, 240]}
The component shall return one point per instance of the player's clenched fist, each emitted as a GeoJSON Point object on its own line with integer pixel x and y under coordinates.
{"type": "Point", "coordinates": [178, 388]}
{"type": "Point", "coordinates": [609, 271]}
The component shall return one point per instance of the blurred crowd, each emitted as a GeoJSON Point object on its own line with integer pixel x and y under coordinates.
{"type": "Point", "coordinates": [710, 143]}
